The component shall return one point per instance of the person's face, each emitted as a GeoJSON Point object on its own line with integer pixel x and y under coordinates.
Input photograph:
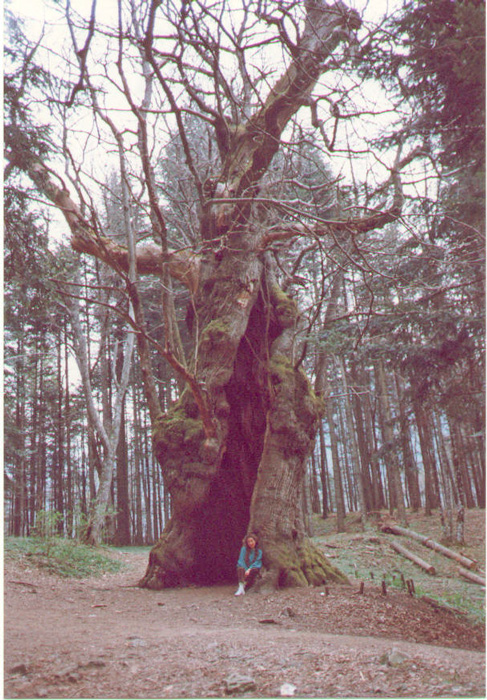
{"type": "Point", "coordinates": [250, 542]}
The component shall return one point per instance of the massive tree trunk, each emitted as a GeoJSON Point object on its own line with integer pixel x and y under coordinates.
{"type": "Point", "coordinates": [248, 474]}
{"type": "Point", "coordinates": [233, 449]}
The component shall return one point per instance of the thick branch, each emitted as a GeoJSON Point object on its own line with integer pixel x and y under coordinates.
{"type": "Point", "coordinates": [253, 147]}
{"type": "Point", "coordinates": [183, 264]}
{"type": "Point", "coordinates": [328, 227]}
{"type": "Point", "coordinates": [196, 389]}
{"type": "Point", "coordinates": [323, 227]}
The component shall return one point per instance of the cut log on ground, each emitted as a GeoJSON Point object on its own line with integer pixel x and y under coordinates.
{"type": "Point", "coordinates": [428, 542]}
{"type": "Point", "coordinates": [429, 568]}
{"type": "Point", "coordinates": [471, 576]}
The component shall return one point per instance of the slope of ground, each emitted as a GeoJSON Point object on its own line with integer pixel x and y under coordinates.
{"type": "Point", "coordinates": [105, 638]}
{"type": "Point", "coordinates": [368, 557]}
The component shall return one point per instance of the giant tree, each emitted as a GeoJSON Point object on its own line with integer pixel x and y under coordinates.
{"type": "Point", "coordinates": [233, 446]}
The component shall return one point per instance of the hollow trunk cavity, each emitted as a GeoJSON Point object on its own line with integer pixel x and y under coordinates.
{"type": "Point", "coordinates": [251, 475]}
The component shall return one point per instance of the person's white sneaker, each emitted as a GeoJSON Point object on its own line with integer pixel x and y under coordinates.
{"type": "Point", "coordinates": [240, 590]}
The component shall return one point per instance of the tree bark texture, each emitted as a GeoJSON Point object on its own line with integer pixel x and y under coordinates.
{"type": "Point", "coordinates": [396, 494]}
{"type": "Point", "coordinates": [248, 474]}
{"type": "Point", "coordinates": [356, 470]}
{"type": "Point", "coordinates": [472, 577]}
{"type": "Point", "coordinates": [429, 568]}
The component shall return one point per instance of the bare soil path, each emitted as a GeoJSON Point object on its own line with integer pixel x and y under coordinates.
{"type": "Point", "coordinates": [106, 638]}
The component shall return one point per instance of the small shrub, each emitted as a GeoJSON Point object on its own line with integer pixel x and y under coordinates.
{"type": "Point", "coordinates": [47, 524]}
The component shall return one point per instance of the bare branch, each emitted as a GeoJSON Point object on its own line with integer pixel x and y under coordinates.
{"type": "Point", "coordinates": [82, 54]}
{"type": "Point", "coordinates": [183, 264]}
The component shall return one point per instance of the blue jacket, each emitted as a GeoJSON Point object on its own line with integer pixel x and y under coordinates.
{"type": "Point", "coordinates": [255, 559]}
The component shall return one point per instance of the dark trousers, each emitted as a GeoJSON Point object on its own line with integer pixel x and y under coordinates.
{"type": "Point", "coordinates": [250, 580]}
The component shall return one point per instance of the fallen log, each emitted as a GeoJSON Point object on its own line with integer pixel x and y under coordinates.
{"type": "Point", "coordinates": [428, 542]}
{"type": "Point", "coordinates": [471, 576]}
{"type": "Point", "coordinates": [429, 568]}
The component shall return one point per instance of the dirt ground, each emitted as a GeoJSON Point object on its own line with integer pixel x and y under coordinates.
{"type": "Point", "coordinates": [106, 638]}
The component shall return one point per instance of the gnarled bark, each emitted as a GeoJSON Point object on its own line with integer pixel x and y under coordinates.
{"type": "Point", "coordinates": [251, 475]}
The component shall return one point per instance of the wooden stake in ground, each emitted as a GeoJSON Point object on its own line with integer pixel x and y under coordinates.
{"type": "Point", "coordinates": [428, 542]}
{"type": "Point", "coordinates": [429, 568]}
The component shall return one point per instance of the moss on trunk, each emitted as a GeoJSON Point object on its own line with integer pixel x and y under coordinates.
{"type": "Point", "coordinates": [256, 479]}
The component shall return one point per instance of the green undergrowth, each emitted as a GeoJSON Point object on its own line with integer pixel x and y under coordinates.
{"type": "Point", "coordinates": [366, 556]}
{"type": "Point", "coordinates": [61, 557]}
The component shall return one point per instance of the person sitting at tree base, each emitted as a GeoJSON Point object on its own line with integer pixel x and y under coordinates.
{"type": "Point", "coordinates": [249, 563]}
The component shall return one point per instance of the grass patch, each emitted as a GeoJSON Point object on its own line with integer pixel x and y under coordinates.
{"type": "Point", "coordinates": [59, 556]}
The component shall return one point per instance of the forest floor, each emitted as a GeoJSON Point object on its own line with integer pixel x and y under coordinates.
{"type": "Point", "coordinates": [105, 638]}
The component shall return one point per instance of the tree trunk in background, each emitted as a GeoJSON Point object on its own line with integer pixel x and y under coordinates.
{"type": "Point", "coordinates": [457, 469]}
{"type": "Point", "coordinates": [41, 452]}
{"type": "Point", "coordinates": [306, 504]}
{"type": "Point", "coordinates": [59, 461]}
{"type": "Point", "coordinates": [108, 429]}
{"type": "Point", "coordinates": [35, 438]}
{"type": "Point", "coordinates": [156, 503]}
{"type": "Point", "coordinates": [478, 477]}
{"type": "Point", "coordinates": [94, 530]}
{"type": "Point", "coordinates": [364, 451]}
{"type": "Point", "coordinates": [379, 500]}
{"type": "Point", "coordinates": [429, 465]}
{"type": "Point", "coordinates": [410, 468]}
{"type": "Point", "coordinates": [94, 464]}
{"type": "Point", "coordinates": [167, 505]}
{"type": "Point", "coordinates": [83, 484]}
{"type": "Point", "coordinates": [476, 471]}
{"type": "Point", "coordinates": [122, 533]}
{"type": "Point", "coordinates": [337, 473]}
{"type": "Point", "coordinates": [395, 486]}
{"type": "Point", "coordinates": [322, 389]}
{"type": "Point", "coordinates": [138, 466]}
{"type": "Point", "coordinates": [351, 434]}
{"type": "Point", "coordinates": [479, 430]}
{"type": "Point", "coordinates": [69, 466]}
{"type": "Point", "coordinates": [147, 488]}
{"type": "Point", "coordinates": [323, 472]}
{"type": "Point", "coordinates": [19, 482]}
{"type": "Point", "coordinates": [466, 462]}
{"type": "Point", "coordinates": [448, 488]}
{"type": "Point", "coordinates": [314, 489]}
{"type": "Point", "coordinates": [350, 491]}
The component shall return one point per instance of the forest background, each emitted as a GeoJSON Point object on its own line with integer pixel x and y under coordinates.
{"type": "Point", "coordinates": [390, 145]}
